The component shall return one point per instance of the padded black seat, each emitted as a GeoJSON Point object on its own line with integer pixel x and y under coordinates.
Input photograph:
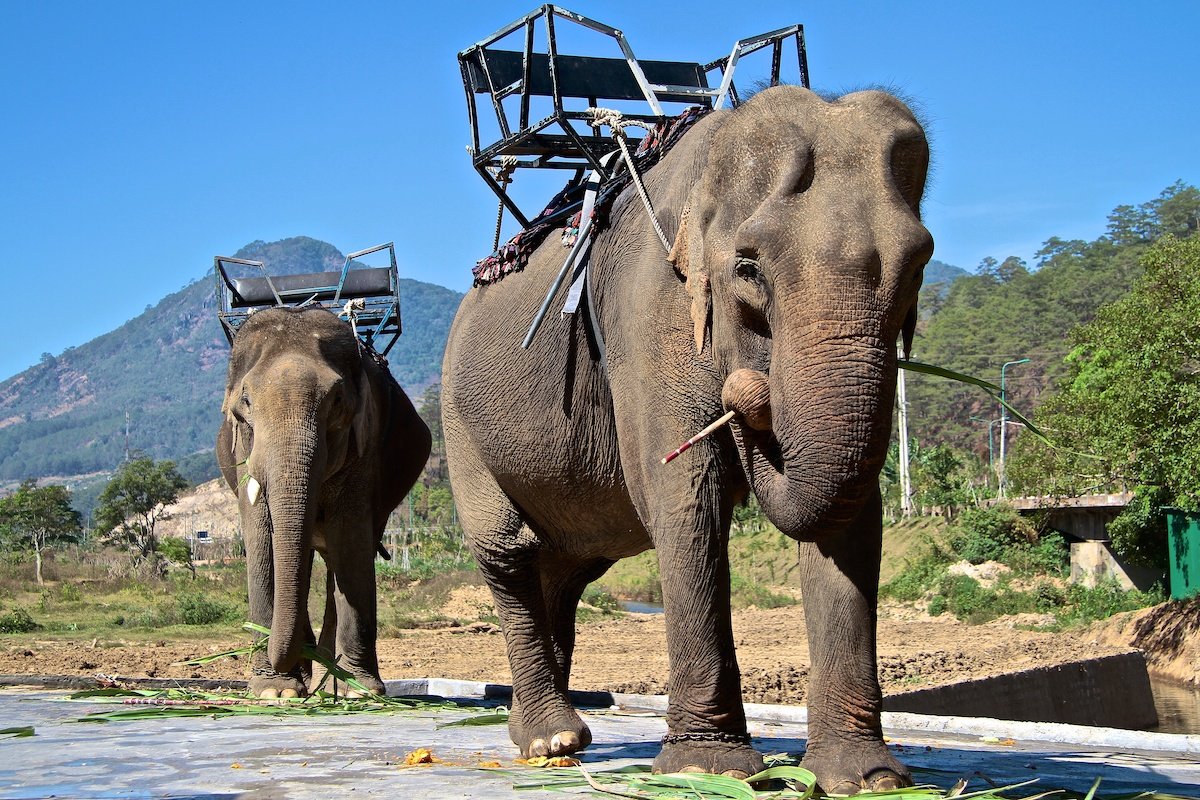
{"type": "Point", "coordinates": [368, 282]}
{"type": "Point", "coordinates": [584, 76]}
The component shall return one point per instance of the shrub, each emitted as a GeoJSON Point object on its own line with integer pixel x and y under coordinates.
{"type": "Point", "coordinates": [1105, 599]}
{"type": "Point", "coordinates": [1139, 533]}
{"type": "Point", "coordinates": [17, 620]}
{"type": "Point", "coordinates": [983, 534]}
{"type": "Point", "coordinates": [70, 593]}
{"type": "Point", "coordinates": [1048, 555]}
{"type": "Point", "coordinates": [198, 609]}
{"type": "Point", "coordinates": [971, 602]}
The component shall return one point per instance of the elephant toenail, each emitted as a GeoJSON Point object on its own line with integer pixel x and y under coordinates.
{"type": "Point", "coordinates": [289, 693]}
{"type": "Point", "coordinates": [736, 773]}
{"type": "Point", "coordinates": [693, 768]}
{"type": "Point", "coordinates": [538, 748]}
{"type": "Point", "coordinates": [564, 742]}
{"type": "Point", "coordinates": [269, 694]}
{"type": "Point", "coordinates": [886, 784]}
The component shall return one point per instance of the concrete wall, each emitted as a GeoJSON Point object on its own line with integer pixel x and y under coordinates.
{"type": "Point", "coordinates": [1113, 692]}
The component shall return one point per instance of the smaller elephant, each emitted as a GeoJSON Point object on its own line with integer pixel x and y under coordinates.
{"type": "Point", "coordinates": [319, 443]}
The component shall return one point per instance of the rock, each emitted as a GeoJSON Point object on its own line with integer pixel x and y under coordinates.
{"type": "Point", "coordinates": [986, 573]}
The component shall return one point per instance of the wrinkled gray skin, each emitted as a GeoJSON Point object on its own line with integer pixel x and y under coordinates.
{"type": "Point", "coordinates": [800, 256]}
{"type": "Point", "coordinates": [335, 445]}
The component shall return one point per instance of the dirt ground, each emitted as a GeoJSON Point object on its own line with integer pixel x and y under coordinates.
{"type": "Point", "coordinates": [628, 653]}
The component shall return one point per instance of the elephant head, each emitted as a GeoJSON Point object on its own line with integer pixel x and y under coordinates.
{"type": "Point", "coordinates": [802, 248]}
{"type": "Point", "coordinates": [297, 411]}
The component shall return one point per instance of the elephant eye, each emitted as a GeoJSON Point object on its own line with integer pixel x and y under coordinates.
{"type": "Point", "coordinates": [747, 269]}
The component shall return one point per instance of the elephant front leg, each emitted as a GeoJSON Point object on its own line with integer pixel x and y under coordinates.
{"type": "Point", "coordinates": [705, 720]}
{"type": "Point", "coordinates": [265, 681]}
{"type": "Point", "coordinates": [840, 580]}
{"type": "Point", "coordinates": [352, 565]}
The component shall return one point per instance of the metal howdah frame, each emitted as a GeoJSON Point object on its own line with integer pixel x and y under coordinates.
{"type": "Point", "coordinates": [566, 139]}
{"type": "Point", "coordinates": [376, 318]}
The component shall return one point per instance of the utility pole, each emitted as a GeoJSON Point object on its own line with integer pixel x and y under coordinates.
{"type": "Point", "coordinates": [1003, 481]}
{"type": "Point", "coordinates": [906, 504]}
{"type": "Point", "coordinates": [991, 423]}
{"type": "Point", "coordinates": [126, 436]}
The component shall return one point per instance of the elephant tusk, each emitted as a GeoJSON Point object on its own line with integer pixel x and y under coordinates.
{"type": "Point", "coordinates": [253, 487]}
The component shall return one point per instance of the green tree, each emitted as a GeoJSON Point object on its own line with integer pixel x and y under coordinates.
{"type": "Point", "coordinates": [36, 518]}
{"type": "Point", "coordinates": [178, 550]}
{"type": "Point", "coordinates": [938, 480]}
{"type": "Point", "coordinates": [1130, 407]}
{"type": "Point", "coordinates": [134, 501]}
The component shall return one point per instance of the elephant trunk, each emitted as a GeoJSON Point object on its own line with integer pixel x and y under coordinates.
{"type": "Point", "coordinates": [291, 500]}
{"type": "Point", "coordinates": [827, 433]}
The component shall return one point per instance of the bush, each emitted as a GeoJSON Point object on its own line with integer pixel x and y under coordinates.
{"type": "Point", "coordinates": [1139, 533]}
{"type": "Point", "coordinates": [969, 601]}
{"type": "Point", "coordinates": [917, 577]}
{"type": "Point", "coordinates": [17, 620]}
{"type": "Point", "coordinates": [1105, 599]}
{"type": "Point", "coordinates": [1050, 554]}
{"type": "Point", "coordinates": [983, 534]}
{"type": "Point", "coordinates": [198, 609]}
{"type": "Point", "coordinates": [70, 593]}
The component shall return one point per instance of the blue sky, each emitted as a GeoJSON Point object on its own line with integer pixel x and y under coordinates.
{"type": "Point", "coordinates": [143, 138]}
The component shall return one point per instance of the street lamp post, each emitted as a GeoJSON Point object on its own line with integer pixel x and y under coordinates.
{"type": "Point", "coordinates": [1002, 485]}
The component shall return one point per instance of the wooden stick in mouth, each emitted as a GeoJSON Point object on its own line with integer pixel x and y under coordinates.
{"type": "Point", "coordinates": [687, 445]}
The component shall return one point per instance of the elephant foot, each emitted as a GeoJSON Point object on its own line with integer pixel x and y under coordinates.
{"type": "Point", "coordinates": [557, 734]}
{"type": "Point", "coordinates": [370, 682]}
{"type": "Point", "coordinates": [275, 685]}
{"type": "Point", "coordinates": [848, 768]}
{"type": "Point", "coordinates": [714, 753]}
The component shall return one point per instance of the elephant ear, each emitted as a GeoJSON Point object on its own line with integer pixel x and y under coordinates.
{"type": "Point", "coordinates": [687, 256]}
{"type": "Point", "coordinates": [365, 414]}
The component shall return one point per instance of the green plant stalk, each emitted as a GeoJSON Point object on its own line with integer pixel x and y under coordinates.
{"type": "Point", "coordinates": [990, 388]}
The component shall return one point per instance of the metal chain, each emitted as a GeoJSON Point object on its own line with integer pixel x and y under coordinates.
{"type": "Point", "coordinates": [714, 736]}
{"type": "Point", "coordinates": [617, 124]}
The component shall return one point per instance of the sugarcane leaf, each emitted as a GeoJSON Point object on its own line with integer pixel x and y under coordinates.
{"type": "Point", "coordinates": [498, 717]}
{"type": "Point", "coordinates": [990, 388]}
{"type": "Point", "coordinates": [19, 732]}
{"type": "Point", "coordinates": [791, 776]}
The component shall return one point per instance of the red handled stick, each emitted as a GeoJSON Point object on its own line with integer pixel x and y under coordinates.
{"type": "Point", "coordinates": [687, 445]}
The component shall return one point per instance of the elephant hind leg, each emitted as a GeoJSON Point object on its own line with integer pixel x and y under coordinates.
{"type": "Point", "coordinates": [510, 557]}
{"type": "Point", "coordinates": [563, 591]}
{"type": "Point", "coordinates": [542, 722]}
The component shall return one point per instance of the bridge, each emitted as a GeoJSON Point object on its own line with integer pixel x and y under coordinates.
{"type": "Point", "coordinates": [1084, 522]}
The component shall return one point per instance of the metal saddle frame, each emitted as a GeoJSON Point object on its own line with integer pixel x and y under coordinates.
{"type": "Point", "coordinates": [568, 138]}
{"type": "Point", "coordinates": [370, 296]}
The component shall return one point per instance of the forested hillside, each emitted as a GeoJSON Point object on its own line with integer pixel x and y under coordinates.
{"type": "Point", "coordinates": [166, 370]}
{"type": "Point", "coordinates": [1010, 311]}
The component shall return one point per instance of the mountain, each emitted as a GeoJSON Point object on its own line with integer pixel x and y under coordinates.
{"type": "Point", "coordinates": [942, 274]}
{"type": "Point", "coordinates": [164, 371]}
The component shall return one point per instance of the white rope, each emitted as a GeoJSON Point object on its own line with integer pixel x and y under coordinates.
{"type": "Point", "coordinates": [503, 176]}
{"type": "Point", "coordinates": [617, 124]}
{"type": "Point", "coordinates": [350, 312]}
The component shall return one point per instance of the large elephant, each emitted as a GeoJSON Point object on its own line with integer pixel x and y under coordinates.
{"type": "Point", "coordinates": [320, 444]}
{"type": "Point", "coordinates": [797, 258]}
